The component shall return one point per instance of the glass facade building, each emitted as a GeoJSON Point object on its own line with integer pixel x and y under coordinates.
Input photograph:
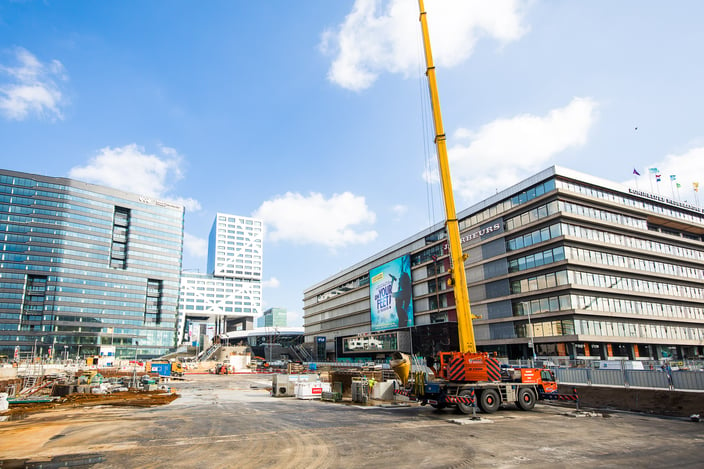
{"type": "Point", "coordinates": [84, 266]}
{"type": "Point", "coordinates": [562, 264]}
{"type": "Point", "coordinates": [273, 317]}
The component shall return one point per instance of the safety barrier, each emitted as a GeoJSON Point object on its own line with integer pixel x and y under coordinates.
{"type": "Point", "coordinates": [690, 380]}
{"type": "Point", "coordinates": [552, 396]}
{"type": "Point", "coordinates": [680, 380]}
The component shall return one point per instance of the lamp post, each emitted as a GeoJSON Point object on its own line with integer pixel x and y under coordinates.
{"type": "Point", "coordinates": [531, 342]}
{"type": "Point", "coordinates": [134, 373]}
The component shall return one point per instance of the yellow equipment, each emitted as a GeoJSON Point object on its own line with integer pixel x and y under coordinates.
{"type": "Point", "coordinates": [457, 258]}
{"type": "Point", "coordinates": [401, 364]}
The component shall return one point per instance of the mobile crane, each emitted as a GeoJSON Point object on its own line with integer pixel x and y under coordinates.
{"type": "Point", "coordinates": [466, 376]}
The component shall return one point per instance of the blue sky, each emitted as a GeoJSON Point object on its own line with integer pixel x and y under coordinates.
{"type": "Point", "coordinates": [314, 115]}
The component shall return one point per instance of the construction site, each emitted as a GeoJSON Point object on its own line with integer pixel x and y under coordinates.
{"type": "Point", "coordinates": [342, 417]}
{"type": "Point", "coordinates": [229, 407]}
{"type": "Point", "coordinates": [376, 396]}
{"type": "Point", "coordinates": [27, 387]}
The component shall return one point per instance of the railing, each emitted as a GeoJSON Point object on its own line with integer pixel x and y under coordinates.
{"type": "Point", "coordinates": [674, 380]}
{"type": "Point", "coordinates": [209, 352]}
{"type": "Point", "coordinates": [302, 352]}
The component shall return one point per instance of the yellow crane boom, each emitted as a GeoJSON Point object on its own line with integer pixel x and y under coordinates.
{"type": "Point", "coordinates": [457, 258]}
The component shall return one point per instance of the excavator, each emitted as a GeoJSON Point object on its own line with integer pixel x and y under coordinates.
{"type": "Point", "coordinates": [465, 377]}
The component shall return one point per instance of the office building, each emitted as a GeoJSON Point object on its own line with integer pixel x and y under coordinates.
{"type": "Point", "coordinates": [229, 295]}
{"type": "Point", "coordinates": [562, 264]}
{"type": "Point", "coordinates": [84, 267]}
{"type": "Point", "coordinates": [273, 317]}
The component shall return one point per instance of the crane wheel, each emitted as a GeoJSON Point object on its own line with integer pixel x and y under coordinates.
{"type": "Point", "coordinates": [489, 401]}
{"type": "Point", "coordinates": [465, 408]}
{"type": "Point", "coordinates": [526, 399]}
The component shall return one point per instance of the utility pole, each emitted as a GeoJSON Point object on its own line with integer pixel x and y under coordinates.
{"type": "Point", "coordinates": [134, 373]}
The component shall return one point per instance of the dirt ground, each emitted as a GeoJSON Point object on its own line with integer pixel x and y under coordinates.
{"type": "Point", "coordinates": [232, 422]}
{"type": "Point", "coordinates": [129, 398]}
{"type": "Point", "coordinates": [649, 401]}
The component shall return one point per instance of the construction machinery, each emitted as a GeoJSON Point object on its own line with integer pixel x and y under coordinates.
{"type": "Point", "coordinates": [165, 367]}
{"type": "Point", "coordinates": [466, 380]}
{"type": "Point", "coordinates": [465, 377]}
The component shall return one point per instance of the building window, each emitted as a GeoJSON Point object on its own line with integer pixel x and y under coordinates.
{"type": "Point", "coordinates": [120, 235]}
{"type": "Point", "coordinates": [33, 305]}
{"type": "Point", "coordinates": [152, 311]}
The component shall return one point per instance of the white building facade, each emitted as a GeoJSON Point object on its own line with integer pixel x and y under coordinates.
{"type": "Point", "coordinates": [229, 296]}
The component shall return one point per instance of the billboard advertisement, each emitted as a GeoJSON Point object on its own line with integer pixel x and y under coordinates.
{"type": "Point", "coordinates": [391, 294]}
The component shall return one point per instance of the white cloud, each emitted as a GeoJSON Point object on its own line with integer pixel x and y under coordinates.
{"type": "Point", "coordinates": [502, 152]}
{"type": "Point", "coordinates": [313, 219]}
{"type": "Point", "coordinates": [399, 211]}
{"type": "Point", "coordinates": [131, 169]}
{"type": "Point", "coordinates": [195, 246]}
{"type": "Point", "coordinates": [32, 88]}
{"type": "Point", "coordinates": [273, 282]}
{"type": "Point", "coordinates": [375, 38]}
{"type": "Point", "coordinates": [687, 168]}
{"type": "Point", "coordinates": [191, 204]}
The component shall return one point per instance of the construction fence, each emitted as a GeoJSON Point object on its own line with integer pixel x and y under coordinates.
{"type": "Point", "coordinates": [680, 380]}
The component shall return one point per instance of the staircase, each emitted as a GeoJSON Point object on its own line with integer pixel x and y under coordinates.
{"type": "Point", "coordinates": [209, 352]}
{"type": "Point", "coordinates": [301, 353]}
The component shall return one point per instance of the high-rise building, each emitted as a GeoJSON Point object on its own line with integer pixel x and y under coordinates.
{"type": "Point", "coordinates": [562, 264]}
{"type": "Point", "coordinates": [229, 295]}
{"type": "Point", "coordinates": [273, 317]}
{"type": "Point", "coordinates": [84, 266]}
{"type": "Point", "coordinates": [235, 247]}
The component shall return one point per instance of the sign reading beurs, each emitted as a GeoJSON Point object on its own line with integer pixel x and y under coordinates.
{"type": "Point", "coordinates": [482, 233]}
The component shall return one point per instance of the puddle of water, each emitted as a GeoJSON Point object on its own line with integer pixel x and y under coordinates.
{"type": "Point", "coordinates": [69, 460]}
{"type": "Point", "coordinates": [13, 417]}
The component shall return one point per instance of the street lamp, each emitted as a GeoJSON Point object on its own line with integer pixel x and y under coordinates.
{"type": "Point", "coordinates": [134, 373]}
{"type": "Point", "coordinates": [531, 342]}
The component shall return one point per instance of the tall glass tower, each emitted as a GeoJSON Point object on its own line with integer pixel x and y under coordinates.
{"type": "Point", "coordinates": [84, 266]}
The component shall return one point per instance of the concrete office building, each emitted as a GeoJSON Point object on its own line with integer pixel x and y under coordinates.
{"type": "Point", "coordinates": [572, 265]}
{"type": "Point", "coordinates": [84, 267]}
{"type": "Point", "coordinates": [229, 296]}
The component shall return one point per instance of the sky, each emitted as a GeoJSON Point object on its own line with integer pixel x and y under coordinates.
{"type": "Point", "coordinates": [315, 116]}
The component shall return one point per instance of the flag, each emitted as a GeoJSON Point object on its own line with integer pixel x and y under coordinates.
{"type": "Point", "coordinates": [657, 177]}
{"type": "Point", "coordinates": [672, 177]}
{"type": "Point", "coordinates": [696, 186]}
{"type": "Point", "coordinates": [636, 172]}
{"type": "Point", "coordinates": [653, 170]}
{"type": "Point", "coordinates": [678, 185]}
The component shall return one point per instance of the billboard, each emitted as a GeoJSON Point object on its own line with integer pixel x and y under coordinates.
{"type": "Point", "coordinates": [384, 342]}
{"type": "Point", "coordinates": [391, 294]}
